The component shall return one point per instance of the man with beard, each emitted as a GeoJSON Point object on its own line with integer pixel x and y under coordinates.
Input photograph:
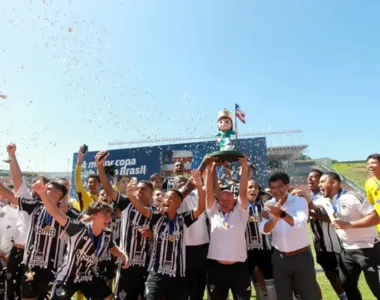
{"type": "Point", "coordinates": [354, 220]}
{"type": "Point", "coordinates": [179, 170]}
{"type": "Point", "coordinates": [326, 242]}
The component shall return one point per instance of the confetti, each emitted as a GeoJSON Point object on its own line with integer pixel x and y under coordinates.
{"type": "Point", "coordinates": [3, 96]}
{"type": "Point", "coordinates": [69, 29]}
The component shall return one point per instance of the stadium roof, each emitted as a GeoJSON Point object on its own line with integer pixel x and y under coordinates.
{"type": "Point", "coordinates": [285, 152]}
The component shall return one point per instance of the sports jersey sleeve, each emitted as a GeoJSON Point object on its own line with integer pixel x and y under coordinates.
{"type": "Point", "coordinates": [368, 193]}
{"type": "Point", "coordinates": [72, 227]}
{"type": "Point", "coordinates": [155, 215]}
{"type": "Point", "coordinates": [23, 191]}
{"type": "Point", "coordinates": [72, 213]}
{"type": "Point", "coordinates": [122, 201]}
{"type": "Point", "coordinates": [188, 218]}
{"type": "Point", "coordinates": [28, 205]}
{"type": "Point", "coordinates": [363, 205]}
{"type": "Point", "coordinates": [211, 211]}
{"type": "Point", "coordinates": [83, 197]}
{"type": "Point", "coordinates": [111, 243]}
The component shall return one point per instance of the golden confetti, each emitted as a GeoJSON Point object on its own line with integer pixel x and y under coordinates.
{"type": "Point", "coordinates": [69, 29]}
{"type": "Point", "coordinates": [3, 96]}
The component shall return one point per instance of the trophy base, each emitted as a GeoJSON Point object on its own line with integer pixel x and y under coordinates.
{"type": "Point", "coordinates": [227, 155]}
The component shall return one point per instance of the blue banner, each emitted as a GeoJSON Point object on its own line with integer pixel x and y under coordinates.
{"type": "Point", "coordinates": [144, 161]}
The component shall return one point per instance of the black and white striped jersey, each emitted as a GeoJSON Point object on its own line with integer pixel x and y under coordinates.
{"type": "Point", "coordinates": [131, 241]}
{"type": "Point", "coordinates": [43, 246]}
{"type": "Point", "coordinates": [169, 249]}
{"type": "Point", "coordinates": [324, 235]}
{"type": "Point", "coordinates": [83, 252]}
{"type": "Point", "coordinates": [115, 229]}
{"type": "Point", "coordinates": [234, 188]}
{"type": "Point", "coordinates": [253, 237]}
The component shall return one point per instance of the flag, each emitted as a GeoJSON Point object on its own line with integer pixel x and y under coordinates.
{"type": "Point", "coordinates": [239, 113]}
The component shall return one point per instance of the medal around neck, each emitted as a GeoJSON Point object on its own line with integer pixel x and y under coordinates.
{"type": "Point", "coordinates": [227, 150]}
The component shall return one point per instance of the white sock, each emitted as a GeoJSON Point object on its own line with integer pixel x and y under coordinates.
{"type": "Point", "coordinates": [343, 296]}
{"type": "Point", "coordinates": [271, 290]}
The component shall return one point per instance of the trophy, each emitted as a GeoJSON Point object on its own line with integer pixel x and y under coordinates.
{"type": "Point", "coordinates": [227, 150]}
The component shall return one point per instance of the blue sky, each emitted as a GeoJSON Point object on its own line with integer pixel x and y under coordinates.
{"type": "Point", "coordinates": [152, 69]}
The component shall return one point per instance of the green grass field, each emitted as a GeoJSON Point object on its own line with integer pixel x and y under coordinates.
{"type": "Point", "coordinates": [357, 172]}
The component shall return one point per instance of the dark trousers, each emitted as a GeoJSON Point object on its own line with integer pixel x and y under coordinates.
{"type": "Point", "coordinates": [222, 278]}
{"type": "Point", "coordinates": [130, 283]}
{"type": "Point", "coordinates": [158, 286]}
{"type": "Point", "coordinates": [352, 262]}
{"type": "Point", "coordinates": [298, 267]}
{"type": "Point", "coordinates": [14, 273]}
{"type": "Point", "coordinates": [261, 259]}
{"type": "Point", "coordinates": [196, 257]}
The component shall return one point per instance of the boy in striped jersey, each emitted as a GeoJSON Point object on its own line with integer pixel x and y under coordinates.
{"type": "Point", "coordinates": [43, 245]}
{"type": "Point", "coordinates": [130, 282]}
{"type": "Point", "coordinates": [86, 244]}
{"type": "Point", "coordinates": [168, 262]}
{"type": "Point", "coordinates": [258, 245]}
{"type": "Point", "coordinates": [107, 263]}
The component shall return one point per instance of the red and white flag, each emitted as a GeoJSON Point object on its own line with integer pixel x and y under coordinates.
{"type": "Point", "coordinates": [239, 113]}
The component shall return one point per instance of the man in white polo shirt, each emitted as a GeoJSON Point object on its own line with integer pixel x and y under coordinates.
{"type": "Point", "coordinates": [227, 255]}
{"type": "Point", "coordinates": [292, 259]}
{"type": "Point", "coordinates": [355, 220]}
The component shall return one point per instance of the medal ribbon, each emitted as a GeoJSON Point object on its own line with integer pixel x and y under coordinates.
{"type": "Point", "coordinates": [171, 224]}
{"type": "Point", "coordinates": [226, 216]}
{"type": "Point", "coordinates": [314, 196]}
{"type": "Point", "coordinates": [253, 206]}
{"type": "Point", "coordinates": [335, 206]}
{"type": "Point", "coordinates": [96, 241]}
{"type": "Point", "coordinates": [48, 219]}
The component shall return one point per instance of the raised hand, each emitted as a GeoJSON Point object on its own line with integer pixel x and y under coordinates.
{"type": "Point", "coordinates": [243, 160]}
{"type": "Point", "coordinates": [81, 155]}
{"type": "Point", "coordinates": [132, 187]}
{"type": "Point", "coordinates": [11, 149]}
{"type": "Point", "coordinates": [99, 160]}
{"type": "Point", "coordinates": [196, 178]}
{"type": "Point", "coordinates": [275, 210]}
{"type": "Point", "coordinates": [39, 186]}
